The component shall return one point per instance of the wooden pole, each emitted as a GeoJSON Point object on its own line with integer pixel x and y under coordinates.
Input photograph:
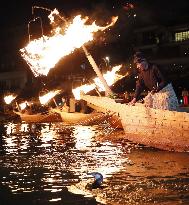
{"type": "Point", "coordinates": [55, 102]}
{"type": "Point", "coordinates": [97, 71]}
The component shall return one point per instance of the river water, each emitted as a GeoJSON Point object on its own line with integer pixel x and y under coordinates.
{"type": "Point", "coordinates": [43, 164]}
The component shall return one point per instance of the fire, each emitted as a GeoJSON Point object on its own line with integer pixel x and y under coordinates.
{"type": "Point", "coordinates": [23, 105]}
{"type": "Point", "coordinates": [84, 88]}
{"type": "Point", "coordinates": [42, 54]}
{"type": "Point", "coordinates": [9, 98]}
{"type": "Point", "coordinates": [47, 97]}
{"type": "Point", "coordinates": [110, 77]}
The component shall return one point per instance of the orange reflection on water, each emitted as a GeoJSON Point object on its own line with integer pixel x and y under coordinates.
{"type": "Point", "coordinates": [83, 136]}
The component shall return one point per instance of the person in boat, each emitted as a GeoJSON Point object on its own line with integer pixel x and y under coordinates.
{"type": "Point", "coordinates": [162, 94]}
{"type": "Point", "coordinates": [185, 95]}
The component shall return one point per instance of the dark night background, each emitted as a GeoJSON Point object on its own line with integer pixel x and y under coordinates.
{"type": "Point", "coordinates": [116, 43]}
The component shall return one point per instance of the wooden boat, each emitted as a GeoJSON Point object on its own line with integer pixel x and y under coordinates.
{"type": "Point", "coordinates": [112, 118]}
{"type": "Point", "coordinates": [163, 129]}
{"type": "Point", "coordinates": [79, 118]}
{"type": "Point", "coordinates": [38, 117]}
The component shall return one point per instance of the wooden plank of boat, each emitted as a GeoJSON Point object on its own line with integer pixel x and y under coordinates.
{"type": "Point", "coordinates": [80, 118]}
{"type": "Point", "coordinates": [113, 120]}
{"type": "Point", "coordinates": [39, 117]}
{"type": "Point", "coordinates": [164, 129]}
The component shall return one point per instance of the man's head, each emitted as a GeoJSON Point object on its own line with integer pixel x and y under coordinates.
{"type": "Point", "coordinates": [140, 61]}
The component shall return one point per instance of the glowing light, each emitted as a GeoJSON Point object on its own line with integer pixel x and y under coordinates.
{"type": "Point", "coordinates": [10, 128]}
{"type": "Point", "coordinates": [47, 97]}
{"type": "Point", "coordinates": [9, 98]}
{"type": "Point", "coordinates": [57, 199]}
{"type": "Point", "coordinates": [47, 136]}
{"type": "Point", "coordinates": [105, 158]}
{"type": "Point", "coordinates": [10, 139]}
{"type": "Point", "coordinates": [107, 58]}
{"type": "Point", "coordinates": [84, 88]}
{"type": "Point", "coordinates": [24, 127]}
{"type": "Point", "coordinates": [83, 137]}
{"type": "Point", "coordinates": [23, 105]}
{"type": "Point", "coordinates": [42, 54]}
{"type": "Point", "coordinates": [110, 77]}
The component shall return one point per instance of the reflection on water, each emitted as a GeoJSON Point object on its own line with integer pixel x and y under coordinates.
{"type": "Point", "coordinates": [48, 164]}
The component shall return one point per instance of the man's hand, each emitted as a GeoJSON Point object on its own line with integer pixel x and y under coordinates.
{"type": "Point", "coordinates": [133, 101]}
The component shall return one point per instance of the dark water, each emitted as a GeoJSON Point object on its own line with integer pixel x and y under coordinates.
{"type": "Point", "coordinates": [48, 164]}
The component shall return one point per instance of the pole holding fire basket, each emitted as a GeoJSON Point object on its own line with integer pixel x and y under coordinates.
{"type": "Point", "coordinates": [97, 71]}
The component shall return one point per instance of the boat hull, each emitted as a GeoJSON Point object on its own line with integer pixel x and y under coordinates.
{"type": "Point", "coordinates": [163, 129]}
{"type": "Point", "coordinates": [80, 118]}
{"type": "Point", "coordinates": [39, 118]}
{"type": "Point", "coordinates": [112, 119]}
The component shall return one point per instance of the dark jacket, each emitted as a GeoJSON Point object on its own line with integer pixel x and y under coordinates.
{"type": "Point", "coordinates": [151, 78]}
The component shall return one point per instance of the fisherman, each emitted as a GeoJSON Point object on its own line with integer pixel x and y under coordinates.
{"type": "Point", "coordinates": [162, 94]}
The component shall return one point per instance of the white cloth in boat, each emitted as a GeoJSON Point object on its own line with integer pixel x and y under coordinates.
{"type": "Point", "coordinates": [165, 99]}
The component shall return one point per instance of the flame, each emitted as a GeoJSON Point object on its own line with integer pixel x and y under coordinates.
{"type": "Point", "coordinates": [23, 105]}
{"type": "Point", "coordinates": [47, 97]}
{"type": "Point", "coordinates": [84, 88]}
{"type": "Point", "coordinates": [111, 77]}
{"type": "Point", "coordinates": [42, 54]}
{"type": "Point", "coordinates": [9, 98]}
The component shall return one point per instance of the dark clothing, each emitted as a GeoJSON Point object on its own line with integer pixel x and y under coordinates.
{"type": "Point", "coordinates": [151, 78]}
